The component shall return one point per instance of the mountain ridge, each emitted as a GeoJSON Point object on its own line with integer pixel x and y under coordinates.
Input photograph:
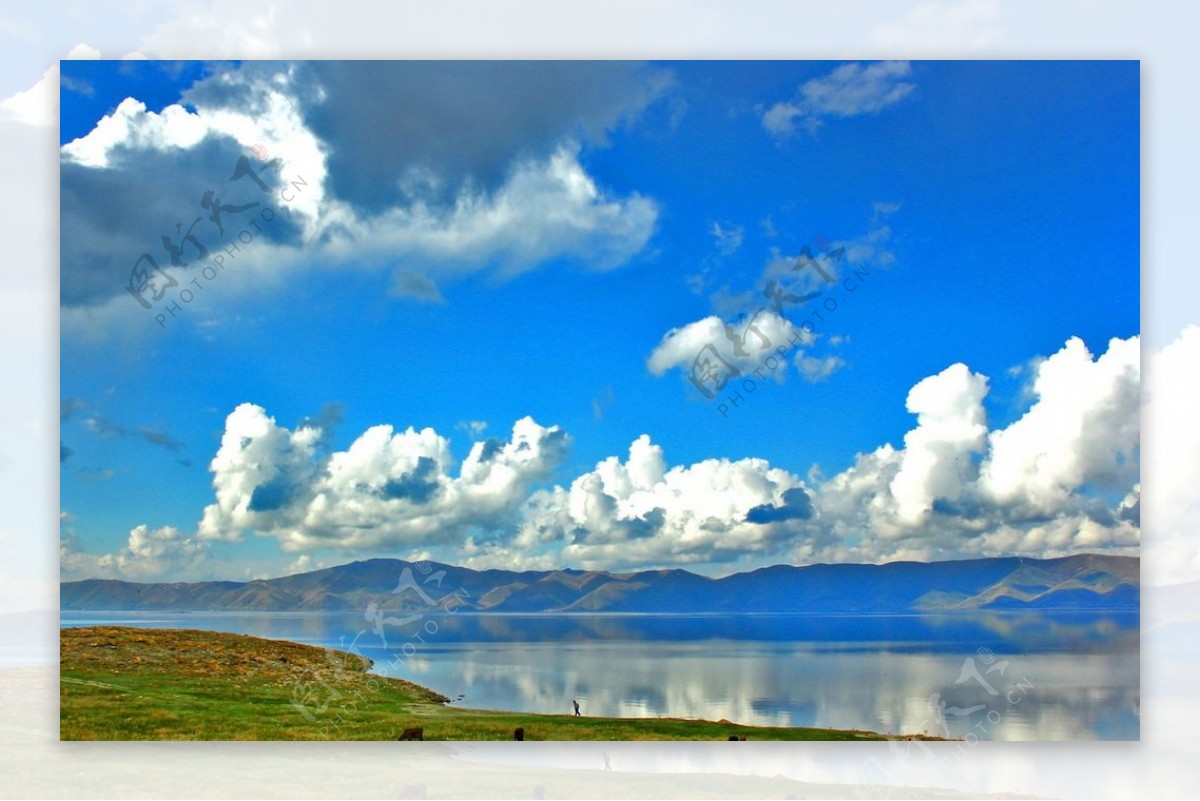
{"type": "Point", "coordinates": [1080, 581]}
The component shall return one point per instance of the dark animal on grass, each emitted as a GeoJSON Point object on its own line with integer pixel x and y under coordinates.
{"type": "Point", "coordinates": [519, 733]}
{"type": "Point", "coordinates": [416, 733]}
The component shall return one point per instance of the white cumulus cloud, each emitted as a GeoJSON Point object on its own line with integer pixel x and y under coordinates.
{"type": "Point", "coordinates": [1062, 478]}
{"type": "Point", "coordinates": [639, 512]}
{"type": "Point", "coordinates": [743, 346]}
{"type": "Point", "coordinates": [937, 453]}
{"type": "Point", "coordinates": [1083, 428]}
{"type": "Point", "coordinates": [148, 555]}
{"type": "Point", "coordinates": [388, 488]}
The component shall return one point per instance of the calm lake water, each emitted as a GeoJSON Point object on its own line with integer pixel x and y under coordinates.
{"type": "Point", "coordinates": [1000, 676]}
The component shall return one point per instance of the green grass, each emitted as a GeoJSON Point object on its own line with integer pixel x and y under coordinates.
{"type": "Point", "coordinates": [122, 683]}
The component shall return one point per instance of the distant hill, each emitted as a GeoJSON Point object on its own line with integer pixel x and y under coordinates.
{"type": "Point", "coordinates": [1085, 581]}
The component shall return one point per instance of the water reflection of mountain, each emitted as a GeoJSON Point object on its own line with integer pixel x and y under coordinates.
{"type": "Point", "coordinates": [1067, 631]}
{"type": "Point", "coordinates": [1003, 632]}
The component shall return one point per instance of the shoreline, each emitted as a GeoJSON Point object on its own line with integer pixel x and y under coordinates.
{"type": "Point", "coordinates": [206, 685]}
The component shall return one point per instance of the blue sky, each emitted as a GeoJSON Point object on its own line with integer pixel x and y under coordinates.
{"type": "Point", "coordinates": [485, 243]}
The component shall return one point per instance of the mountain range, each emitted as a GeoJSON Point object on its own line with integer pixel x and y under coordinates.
{"type": "Point", "coordinates": [1083, 581]}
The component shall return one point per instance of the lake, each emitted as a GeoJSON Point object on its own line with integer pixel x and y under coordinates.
{"type": "Point", "coordinates": [996, 676]}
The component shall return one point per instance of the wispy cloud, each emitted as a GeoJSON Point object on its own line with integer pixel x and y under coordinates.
{"type": "Point", "coordinates": [94, 476]}
{"type": "Point", "coordinates": [851, 90]}
{"type": "Point", "coordinates": [818, 368]}
{"type": "Point", "coordinates": [73, 408]}
{"type": "Point", "coordinates": [101, 426]}
{"type": "Point", "coordinates": [728, 237]}
{"type": "Point", "coordinates": [474, 428]}
{"type": "Point", "coordinates": [68, 408]}
{"type": "Point", "coordinates": [602, 402]}
{"type": "Point", "coordinates": [421, 288]}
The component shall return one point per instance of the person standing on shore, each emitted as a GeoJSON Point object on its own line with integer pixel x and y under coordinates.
{"type": "Point", "coordinates": [576, 704]}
